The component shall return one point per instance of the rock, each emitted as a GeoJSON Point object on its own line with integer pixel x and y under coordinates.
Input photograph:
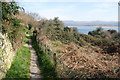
{"type": "Point", "coordinates": [6, 55]}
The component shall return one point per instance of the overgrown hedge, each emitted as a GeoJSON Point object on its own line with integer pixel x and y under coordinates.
{"type": "Point", "coordinates": [11, 25]}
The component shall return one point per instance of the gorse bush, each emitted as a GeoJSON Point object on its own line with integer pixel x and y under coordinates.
{"type": "Point", "coordinates": [99, 33]}
{"type": "Point", "coordinates": [94, 41]}
{"type": "Point", "coordinates": [54, 23]}
{"type": "Point", "coordinates": [108, 39]}
{"type": "Point", "coordinates": [112, 31]}
{"type": "Point", "coordinates": [67, 29]}
{"type": "Point", "coordinates": [99, 37]}
{"type": "Point", "coordinates": [67, 35]}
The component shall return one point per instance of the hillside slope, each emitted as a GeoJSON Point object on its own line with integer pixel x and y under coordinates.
{"type": "Point", "coordinates": [77, 55]}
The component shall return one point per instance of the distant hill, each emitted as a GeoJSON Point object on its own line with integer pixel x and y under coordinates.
{"type": "Point", "coordinates": [90, 23]}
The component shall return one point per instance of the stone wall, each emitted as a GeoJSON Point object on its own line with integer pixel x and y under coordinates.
{"type": "Point", "coordinates": [6, 55]}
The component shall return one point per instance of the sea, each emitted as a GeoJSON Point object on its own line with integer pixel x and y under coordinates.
{"type": "Point", "coordinates": [86, 29]}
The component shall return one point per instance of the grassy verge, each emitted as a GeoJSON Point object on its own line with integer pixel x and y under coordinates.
{"type": "Point", "coordinates": [21, 64]}
{"type": "Point", "coordinates": [46, 66]}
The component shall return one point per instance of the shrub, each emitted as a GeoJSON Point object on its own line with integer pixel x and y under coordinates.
{"type": "Point", "coordinates": [112, 31]}
{"type": "Point", "coordinates": [15, 22]}
{"type": "Point", "coordinates": [67, 29]}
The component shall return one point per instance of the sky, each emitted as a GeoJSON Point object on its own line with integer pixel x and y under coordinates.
{"type": "Point", "coordinates": [77, 10]}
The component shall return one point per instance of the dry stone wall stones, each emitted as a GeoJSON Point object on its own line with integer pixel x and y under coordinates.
{"type": "Point", "coordinates": [6, 55]}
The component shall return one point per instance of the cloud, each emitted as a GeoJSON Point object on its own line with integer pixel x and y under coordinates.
{"type": "Point", "coordinates": [58, 11]}
{"type": "Point", "coordinates": [49, 13]}
{"type": "Point", "coordinates": [75, 11]}
{"type": "Point", "coordinates": [102, 14]}
{"type": "Point", "coordinates": [106, 5]}
{"type": "Point", "coordinates": [103, 9]}
{"type": "Point", "coordinates": [67, 0]}
{"type": "Point", "coordinates": [98, 11]}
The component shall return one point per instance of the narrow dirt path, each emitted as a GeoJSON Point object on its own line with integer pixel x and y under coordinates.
{"type": "Point", "coordinates": [34, 68]}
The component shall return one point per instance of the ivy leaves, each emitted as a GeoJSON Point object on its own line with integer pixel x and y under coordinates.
{"type": "Point", "coordinates": [9, 9]}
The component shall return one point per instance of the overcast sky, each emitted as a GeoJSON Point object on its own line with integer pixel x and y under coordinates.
{"type": "Point", "coordinates": [77, 10]}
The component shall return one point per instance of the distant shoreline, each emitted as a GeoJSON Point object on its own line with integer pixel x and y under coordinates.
{"type": "Point", "coordinates": [87, 28]}
{"type": "Point", "coordinates": [107, 26]}
{"type": "Point", "coordinates": [99, 26]}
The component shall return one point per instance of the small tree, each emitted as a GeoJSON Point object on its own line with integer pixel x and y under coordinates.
{"type": "Point", "coordinates": [99, 29]}
{"type": "Point", "coordinates": [112, 31]}
{"type": "Point", "coordinates": [57, 22]}
{"type": "Point", "coordinates": [99, 32]}
{"type": "Point", "coordinates": [67, 29]}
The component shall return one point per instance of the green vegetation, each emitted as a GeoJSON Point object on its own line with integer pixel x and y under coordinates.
{"type": "Point", "coordinates": [97, 33]}
{"type": "Point", "coordinates": [67, 35]}
{"type": "Point", "coordinates": [27, 32]}
{"type": "Point", "coordinates": [109, 39]}
{"type": "Point", "coordinates": [57, 44]}
{"type": "Point", "coordinates": [26, 39]}
{"type": "Point", "coordinates": [53, 31]}
{"type": "Point", "coordinates": [15, 28]}
{"type": "Point", "coordinates": [96, 43]}
{"type": "Point", "coordinates": [101, 33]}
{"type": "Point", "coordinates": [11, 24]}
{"type": "Point", "coordinates": [9, 9]}
{"type": "Point", "coordinates": [67, 29]}
{"type": "Point", "coordinates": [61, 34]}
{"type": "Point", "coordinates": [46, 65]}
{"type": "Point", "coordinates": [51, 23]}
{"type": "Point", "coordinates": [21, 64]}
